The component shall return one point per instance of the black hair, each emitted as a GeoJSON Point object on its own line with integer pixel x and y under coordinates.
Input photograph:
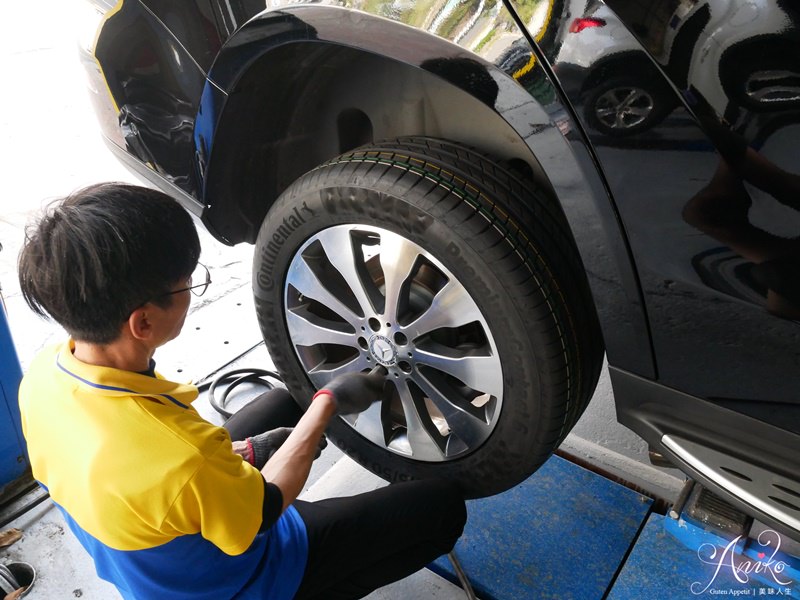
{"type": "Point", "coordinates": [103, 251]}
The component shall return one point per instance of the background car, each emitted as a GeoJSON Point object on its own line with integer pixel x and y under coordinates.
{"type": "Point", "coordinates": [600, 63]}
{"type": "Point", "coordinates": [433, 186]}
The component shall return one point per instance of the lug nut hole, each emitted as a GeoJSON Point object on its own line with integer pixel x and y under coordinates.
{"type": "Point", "coordinates": [400, 339]}
{"type": "Point", "coordinates": [363, 343]}
{"type": "Point", "coordinates": [404, 366]}
{"type": "Point", "coordinates": [374, 324]}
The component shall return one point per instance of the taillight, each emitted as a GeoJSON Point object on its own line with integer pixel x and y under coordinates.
{"type": "Point", "coordinates": [580, 24]}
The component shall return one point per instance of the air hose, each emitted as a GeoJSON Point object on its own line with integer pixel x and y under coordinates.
{"type": "Point", "coordinates": [233, 379]}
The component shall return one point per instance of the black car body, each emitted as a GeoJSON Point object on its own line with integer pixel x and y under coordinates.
{"type": "Point", "coordinates": [664, 147]}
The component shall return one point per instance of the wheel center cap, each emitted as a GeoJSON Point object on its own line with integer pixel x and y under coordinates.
{"type": "Point", "coordinates": [383, 350]}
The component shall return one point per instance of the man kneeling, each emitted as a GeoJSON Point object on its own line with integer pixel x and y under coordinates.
{"type": "Point", "coordinates": [167, 504]}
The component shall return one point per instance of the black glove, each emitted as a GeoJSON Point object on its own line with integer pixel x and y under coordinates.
{"type": "Point", "coordinates": [355, 392]}
{"type": "Point", "coordinates": [264, 445]}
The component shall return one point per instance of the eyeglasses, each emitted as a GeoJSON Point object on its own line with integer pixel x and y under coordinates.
{"type": "Point", "coordinates": [200, 273]}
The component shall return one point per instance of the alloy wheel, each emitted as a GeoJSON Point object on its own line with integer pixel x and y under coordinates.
{"type": "Point", "coordinates": [622, 108]}
{"type": "Point", "coordinates": [359, 296]}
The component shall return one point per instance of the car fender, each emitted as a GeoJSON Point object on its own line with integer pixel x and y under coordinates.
{"type": "Point", "coordinates": [287, 52]}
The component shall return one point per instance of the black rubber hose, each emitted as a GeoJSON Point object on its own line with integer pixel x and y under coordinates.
{"type": "Point", "coordinates": [233, 379]}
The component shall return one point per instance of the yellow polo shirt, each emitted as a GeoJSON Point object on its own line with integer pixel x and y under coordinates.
{"type": "Point", "coordinates": [153, 491]}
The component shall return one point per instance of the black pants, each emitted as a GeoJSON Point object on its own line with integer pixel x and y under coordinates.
{"type": "Point", "coordinates": [360, 543]}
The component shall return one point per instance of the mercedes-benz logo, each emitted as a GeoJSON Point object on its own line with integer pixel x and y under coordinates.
{"type": "Point", "coordinates": [383, 350]}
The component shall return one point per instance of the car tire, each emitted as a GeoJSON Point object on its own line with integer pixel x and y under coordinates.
{"type": "Point", "coordinates": [461, 279]}
{"type": "Point", "coordinates": [622, 106]}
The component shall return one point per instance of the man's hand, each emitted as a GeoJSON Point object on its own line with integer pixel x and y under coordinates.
{"type": "Point", "coordinates": [261, 447]}
{"type": "Point", "coordinates": [355, 392]}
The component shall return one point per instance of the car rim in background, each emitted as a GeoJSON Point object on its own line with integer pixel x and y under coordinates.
{"type": "Point", "coordinates": [622, 108]}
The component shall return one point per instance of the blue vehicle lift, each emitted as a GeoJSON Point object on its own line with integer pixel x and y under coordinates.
{"type": "Point", "coordinates": [567, 532]}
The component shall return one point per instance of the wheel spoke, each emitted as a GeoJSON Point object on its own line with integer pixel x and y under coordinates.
{"type": "Point", "coordinates": [398, 257]}
{"type": "Point", "coordinates": [612, 98]}
{"type": "Point", "coordinates": [306, 333]}
{"type": "Point", "coordinates": [630, 98]}
{"type": "Point", "coordinates": [338, 247]}
{"type": "Point", "coordinates": [306, 282]}
{"type": "Point", "coordinates": [451, 307]}
{"type": "Point", "coordinates": [640, 112]}
{"type": "Point", "coordinates": [466, 426]}
{"type": "Point", "coordinates": [370, 423]}
{"type": "Point", "coordinates": [481, 373]}
{"type": "Point", "coordinates": [322, 374]}
{"type": "Point", "coordinates": [608, 116]}
{"type": "Point", "coordinates": [423, 445]}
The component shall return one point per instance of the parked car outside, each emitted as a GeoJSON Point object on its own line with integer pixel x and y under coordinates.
{"type": "Point", "coordinates": [484, 198]}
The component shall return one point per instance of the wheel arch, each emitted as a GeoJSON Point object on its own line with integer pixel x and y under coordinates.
{"type": "Point", "coordinates": [287, 93]}
{"type": "Point", "coordinates": [261, 124]}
